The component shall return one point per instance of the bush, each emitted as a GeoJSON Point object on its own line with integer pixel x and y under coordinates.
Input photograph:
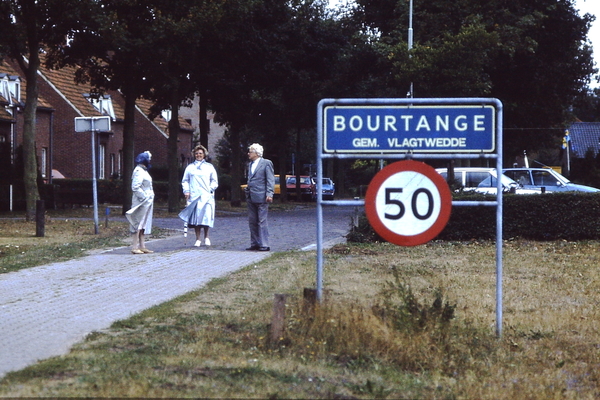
{"type": "Point", "coordinates": [411, 333]}
{"type": "Point", "coordinates": [552, 216]}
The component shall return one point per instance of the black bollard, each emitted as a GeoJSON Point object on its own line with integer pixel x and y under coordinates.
{"type": "Point", "coordinates": [40, 218]}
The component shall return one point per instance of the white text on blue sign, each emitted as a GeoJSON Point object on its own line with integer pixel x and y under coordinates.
{"type": "Point", "coordinates": [409, 128]}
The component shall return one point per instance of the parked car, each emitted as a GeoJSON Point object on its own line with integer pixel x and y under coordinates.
{"type": "Point", "coordinates": [328, 188]}
{"type": "Point", "coordinates": [545, 179]}
{"type": "Point", "coordinates": [277, 190]}
{"type": "Point", "coordinates": [484, 180]}
{"type": "Point", "coordinates": [307, 188]}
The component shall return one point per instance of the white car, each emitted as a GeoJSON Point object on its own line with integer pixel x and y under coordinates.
{"type": "Point", "coordinates": [546, 178]}
{"type": "Point", "coordinates": [483, 180]}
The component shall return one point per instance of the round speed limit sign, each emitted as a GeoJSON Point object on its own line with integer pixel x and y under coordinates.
{"type": "Point", "coordinates": [408, 203]}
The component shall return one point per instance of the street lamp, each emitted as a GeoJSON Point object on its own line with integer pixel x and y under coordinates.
{"type": "Point", "coordinates": [410, 41]}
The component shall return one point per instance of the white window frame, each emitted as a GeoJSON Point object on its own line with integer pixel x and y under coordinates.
{"type": "Point", "coordinates": [44, 162]}
{"type": "Point", "coordinates": [112, 164]}
{"type": "Point", "coordinates": [102, 161]}
{"type": "Point", "coordinates": [103, 104]}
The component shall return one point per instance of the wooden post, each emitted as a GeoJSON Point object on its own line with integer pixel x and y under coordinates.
{"type": "Point", "coordinates": [40, 218]}
{"type": "Point", "coordinates": [278, 322]}
{"type": "Point", "coordinates": [310, 300]}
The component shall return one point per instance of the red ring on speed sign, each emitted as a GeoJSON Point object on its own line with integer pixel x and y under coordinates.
{"type": "Point", "coordinates": [408, 203]}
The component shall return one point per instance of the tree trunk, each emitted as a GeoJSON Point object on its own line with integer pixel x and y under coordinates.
{"type": "Point", "coordinates": [30, 171]}
{"type": "Point", "coordinates": [203, 121]}
{"type": "Point", "coordinates": [236, 170]}
{"type": "Point", "coordinates": [173, 156]}
{"type": "Point", "coordinates": [128, 147]}
{"type": "Point", "coordinates": [282, 172]}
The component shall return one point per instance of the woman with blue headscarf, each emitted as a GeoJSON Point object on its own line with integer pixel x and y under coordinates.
{"type": "Point", "coordinates": [142, 203]}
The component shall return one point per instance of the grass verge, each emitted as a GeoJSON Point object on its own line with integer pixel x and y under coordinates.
{"type": "Point", "coordinates": [397, 323]}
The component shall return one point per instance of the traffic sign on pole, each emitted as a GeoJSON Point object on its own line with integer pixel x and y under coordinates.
{"type": "Point", "coordinates": [408, 203]}
{"type": "Point", "coordinates": [410, 128]}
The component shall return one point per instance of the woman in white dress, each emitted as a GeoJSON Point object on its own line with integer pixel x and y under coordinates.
{"type": "Point", "coordinates": [142, 203]}
{"type": "Point", "coordinates": [199, 184]}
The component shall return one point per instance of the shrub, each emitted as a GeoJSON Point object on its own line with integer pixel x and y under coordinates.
{"type": "Point", "coordinates": [552, 216]}
{"type": "Point", "coordinates": [411, 333]}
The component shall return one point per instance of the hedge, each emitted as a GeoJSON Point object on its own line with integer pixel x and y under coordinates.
{"type": "Point", "coordinates": [550, 216]}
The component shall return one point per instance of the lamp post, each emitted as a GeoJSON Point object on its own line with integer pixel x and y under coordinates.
{"type": "Point", "coordinates": [410, 41]}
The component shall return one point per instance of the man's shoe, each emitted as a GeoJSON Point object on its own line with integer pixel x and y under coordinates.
{"type": "Point", "coordinates": [264, 249]}
{"type": "Point", "coordinates": [253, 248]}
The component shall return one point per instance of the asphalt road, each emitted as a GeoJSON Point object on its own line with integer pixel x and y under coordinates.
{"type": "Point", "coordinates": [288, 230]}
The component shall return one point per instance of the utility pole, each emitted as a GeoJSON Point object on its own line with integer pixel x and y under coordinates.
{"type": "Point", "coordinates": [410, 41]}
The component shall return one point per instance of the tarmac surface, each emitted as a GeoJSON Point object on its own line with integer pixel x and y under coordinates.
{"type": "Point", "coordinates": [45, 310]}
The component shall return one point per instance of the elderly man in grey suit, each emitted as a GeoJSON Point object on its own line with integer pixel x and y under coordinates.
{"type": "Point", "coordinates": [259, 193]}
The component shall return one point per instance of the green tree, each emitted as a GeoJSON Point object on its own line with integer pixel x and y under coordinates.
{"type": "Point", "coordinates": [283, 61]}
{"type": "Point", "coordinates": [113, 53]}
{"type": "Point", "coordinates": [532, 55]}
{"type": "Point", "coordinates": [27, 27]}
{"type": "Point", "coordinates": [185, 34]}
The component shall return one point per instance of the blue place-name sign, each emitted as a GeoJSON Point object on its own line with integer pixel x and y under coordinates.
{"type": "Point", "coordinates": [410, 128]}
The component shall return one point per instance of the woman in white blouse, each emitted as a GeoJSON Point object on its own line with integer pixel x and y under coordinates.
{"type": "Point", "coordinates": [199, 184]}
{"type": "Point", "coordinates": [142, 203]}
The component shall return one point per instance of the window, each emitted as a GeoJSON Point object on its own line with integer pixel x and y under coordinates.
{"type": "Point", "coordinates": [102, 103]}
{"type": "Point", "coordinates": [522, 177]}
{"type": "Point", "coordinates": [101, 161]}
{"type": "Point", "coordinates": [475, 178]}
{"type": "Point", "coordinates": [543, 178]}
{"type": "Point", "coordinates": [10, 89]}
{"type": "Point", "coordinates": [113, 171]}
{"type": "Point", "coordinates": [44, 163]}
{"type": "Point", "coordinates": [120, 164]}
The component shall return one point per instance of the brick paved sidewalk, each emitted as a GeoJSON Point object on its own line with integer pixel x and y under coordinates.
{"type": "Point", "coordinates": [45, 310]}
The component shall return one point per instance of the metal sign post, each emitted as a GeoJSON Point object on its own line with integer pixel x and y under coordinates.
{"type": "Point", "coordinates": [403, 129]}
{"type": "Point", "coordinates": [93, 124]}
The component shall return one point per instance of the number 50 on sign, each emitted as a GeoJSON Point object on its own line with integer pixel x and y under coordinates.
{"type": "Point", "coordinates": [408, 203]}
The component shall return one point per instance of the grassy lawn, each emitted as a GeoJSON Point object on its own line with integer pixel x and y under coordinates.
{"type": "Point", "coordinates": [70, 233]}
{"type": "Point", "coordinates": [397, 322]}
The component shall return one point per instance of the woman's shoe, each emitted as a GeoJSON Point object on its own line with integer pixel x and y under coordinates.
{"type": "Point", "coordinates": [207, 242]}
{"type": "Point", "coordinates": [136, 251]}
{"type": "Point", "coordinates": [147, 251]}
{"type": "Point", "coordinates": [198, 243]}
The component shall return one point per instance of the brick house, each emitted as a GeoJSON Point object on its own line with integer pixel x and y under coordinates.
{"type": "Point", "coordinates": [68, 153]}
{"type": "Point", "coordinates": [12, 89]}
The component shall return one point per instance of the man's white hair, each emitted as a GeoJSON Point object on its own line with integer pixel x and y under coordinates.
{"type": "Point", "coordinates": [258, 149]}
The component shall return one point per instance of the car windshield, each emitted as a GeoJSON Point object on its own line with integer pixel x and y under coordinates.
{"type": "Point", "coordinates": [304, 180]}
{"type": "Point", "coordinates": [490, 181]}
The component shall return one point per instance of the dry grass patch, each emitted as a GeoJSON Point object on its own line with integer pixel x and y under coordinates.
{"type": "Point", "coordinates": [398, 323]}
{"type": "Point", "coordinates": [67, 234]}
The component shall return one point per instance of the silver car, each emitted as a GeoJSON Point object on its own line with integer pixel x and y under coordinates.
{"type": "Point", "coordinates": [545, 180]}
{"type": "Point", "coordinates": [483, 180]}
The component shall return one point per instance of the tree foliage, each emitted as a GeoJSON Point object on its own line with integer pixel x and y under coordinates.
{"type": "Point", "coordinates": [27, 28]}
{"type": "Point", "coordinates": [532, 55]}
